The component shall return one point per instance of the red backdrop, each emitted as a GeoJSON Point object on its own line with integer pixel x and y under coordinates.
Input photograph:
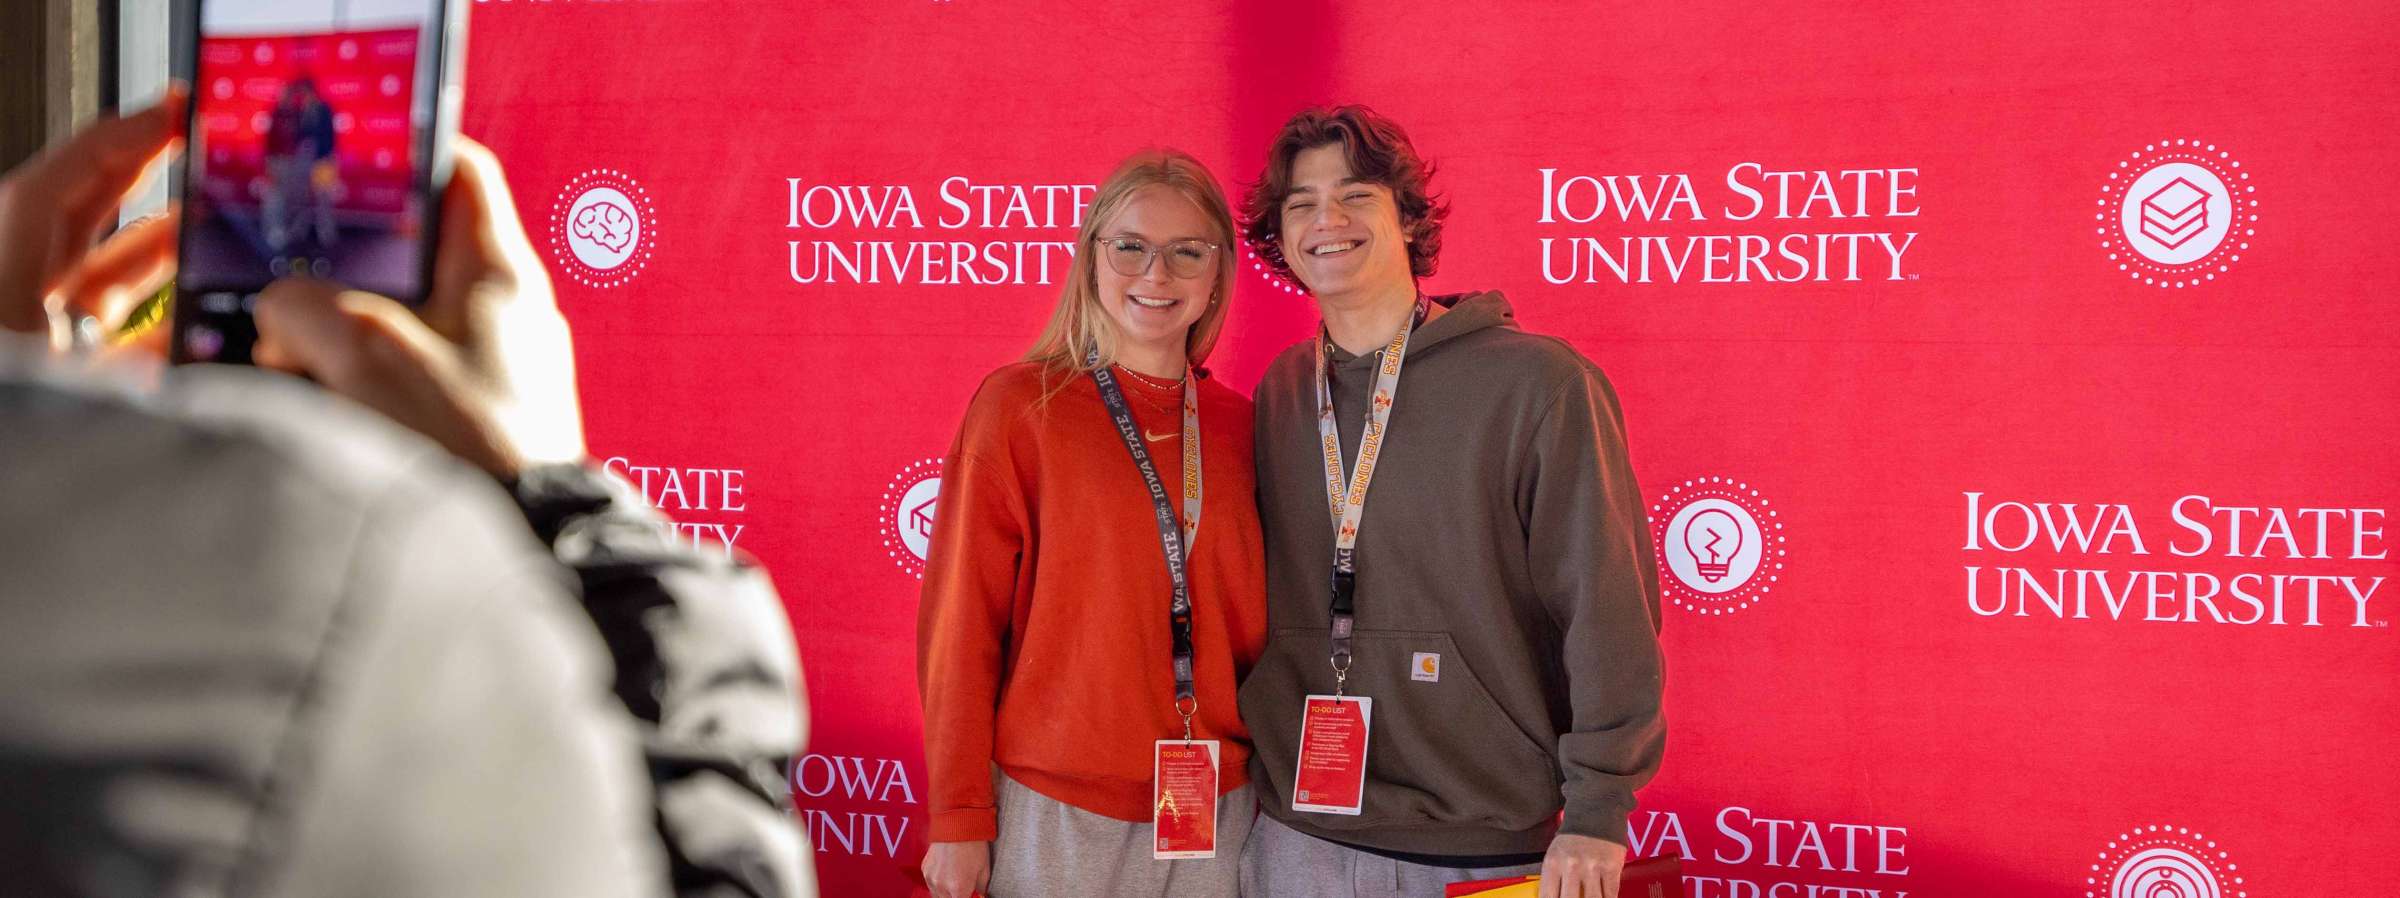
{"type": "Point", "coordinates": [2042, 356]}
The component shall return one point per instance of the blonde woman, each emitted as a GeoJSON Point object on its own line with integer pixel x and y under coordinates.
{"type": "Point", "coordinates": [1061, 657]}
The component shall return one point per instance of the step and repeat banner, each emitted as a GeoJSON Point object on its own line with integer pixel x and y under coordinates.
{"type": "Point", "coordinates": [2014, 389]}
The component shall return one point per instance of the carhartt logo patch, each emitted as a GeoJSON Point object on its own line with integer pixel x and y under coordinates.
{"type": "Point", "coordinates": [1426, 667]}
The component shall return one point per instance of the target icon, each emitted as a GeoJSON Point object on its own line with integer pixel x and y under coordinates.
{"type": "Point", "coordinates": [2165, 873]}
{"type": "Point", "coordinates": [2164, 861]}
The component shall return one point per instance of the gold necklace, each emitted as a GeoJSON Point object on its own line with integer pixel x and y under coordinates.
{"type": "Point", "coordinates": [1154, 384]}
{"type": "Point", "coordinates": [1144, 397]}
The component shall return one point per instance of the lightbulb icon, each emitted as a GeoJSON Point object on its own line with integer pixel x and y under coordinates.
{"type": "Point", "coordinates": [1714, 538]}
{"type": "Point", "coordinates": [1720, 549]}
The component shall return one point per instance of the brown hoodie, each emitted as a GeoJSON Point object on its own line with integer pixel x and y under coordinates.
{"type": "Point", "coordinates": [1503, 532]}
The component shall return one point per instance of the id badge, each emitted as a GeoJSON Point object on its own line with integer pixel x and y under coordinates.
{"type": "Point", "coordinates": [1332, 774]}
{"type": "Point", "coordinates": [1183, 799]}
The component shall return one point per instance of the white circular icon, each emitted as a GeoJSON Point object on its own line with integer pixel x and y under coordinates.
{"type": "Point", "coordinates": [603, 228]}
{"type": "Point", "coordinates": [2164, 873]}
{"type": "Point", "coordinates": [2176, 213]}
{"type": "Point", "coordinates": [908, 514]}
{"type": "Point", "coordinates": [2165, 861]}
{"type": "Point", "coordinates": [1713, 546]}
{"type": "Point", "coordinates": [914, 517]}
{"type": "Point", "coordinates": [1720, 544]}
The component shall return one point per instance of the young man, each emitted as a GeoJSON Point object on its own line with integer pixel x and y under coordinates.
{"type": "Point", "coordinates": [1464, 610]}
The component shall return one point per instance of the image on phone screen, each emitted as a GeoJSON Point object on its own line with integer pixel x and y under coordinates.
{"type": "Point", "coordinates": [307, 153]}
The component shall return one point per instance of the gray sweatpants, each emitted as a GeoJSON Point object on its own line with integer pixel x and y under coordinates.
{"type": "Point", "coordinates": [1281, 862]}
{"type": "Point", "coordinates": [1050, 849]}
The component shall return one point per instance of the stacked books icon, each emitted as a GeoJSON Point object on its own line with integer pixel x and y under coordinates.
{"type": "Point", "coordinates": [2174, 214]}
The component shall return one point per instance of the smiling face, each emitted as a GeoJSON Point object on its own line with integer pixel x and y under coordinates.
{"type": "Point", "coordinates": [1342, 236]}
{"type": "Point", "coordinates": [1154, 310]}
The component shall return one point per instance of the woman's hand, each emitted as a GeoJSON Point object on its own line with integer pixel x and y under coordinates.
{"type": "Point", "coordinates": [958, 869]}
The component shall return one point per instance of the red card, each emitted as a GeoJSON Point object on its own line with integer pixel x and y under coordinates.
{"type": "Point", "coordinates": [1332, 773]}
{"type": "Point", "coordinates": [1183, 799]}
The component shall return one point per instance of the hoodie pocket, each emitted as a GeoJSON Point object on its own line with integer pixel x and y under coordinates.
{"type": "Point", "coordinates": [1440, 749]}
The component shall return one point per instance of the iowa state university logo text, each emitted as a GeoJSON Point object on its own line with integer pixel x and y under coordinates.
{"type": "Point", "coordinates": [704, 505]}
{"type": "Point", "coordinates": [2196, 560]}
{"type": "Point", "coordinates": [1782, 226]}
{"type": "Point", "coordinates": [971, 233]}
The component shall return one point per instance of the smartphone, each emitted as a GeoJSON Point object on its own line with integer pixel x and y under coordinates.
{"type": "Point", "coordinates": [318, 144]}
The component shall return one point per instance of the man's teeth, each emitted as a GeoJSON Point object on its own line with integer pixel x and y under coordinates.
{"type": "Point", "coordinates": [1331, 248]}
{"type": "Point", "coordinates": [1150, 303]}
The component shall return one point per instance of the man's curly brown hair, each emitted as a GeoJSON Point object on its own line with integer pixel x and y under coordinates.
{"type": "Point", "coordinates": [1378, 151]}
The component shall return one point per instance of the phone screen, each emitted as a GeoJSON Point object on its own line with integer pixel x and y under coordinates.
{"type": "Point", "coordinates": [311, 150]}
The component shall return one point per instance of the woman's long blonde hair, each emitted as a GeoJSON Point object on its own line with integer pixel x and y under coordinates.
{"type": "Point", "coordinates": [1079, 324]}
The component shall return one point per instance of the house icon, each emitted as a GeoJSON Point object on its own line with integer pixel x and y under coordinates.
{"type": "Point", "coordinates": [920, 519]}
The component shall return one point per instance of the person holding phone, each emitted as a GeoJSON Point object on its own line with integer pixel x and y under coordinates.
{"type": "Point", "coordinates": [1093, 590]}
{"type": "Point", "coordinates": [257, 639]}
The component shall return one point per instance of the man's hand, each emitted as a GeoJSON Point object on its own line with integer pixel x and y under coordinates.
{"type": "Point", "coordinates": [54, 270]}
{"type": "Point", "coordinates": [1582, 867]}
{"type": "Point", "coordinates": [958, 869]}
{"type": "Point", "coordinates": [486, 367]}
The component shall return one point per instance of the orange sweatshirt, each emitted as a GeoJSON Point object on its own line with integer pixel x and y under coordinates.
{"type": "Point", "coordinates": [1043, 643]}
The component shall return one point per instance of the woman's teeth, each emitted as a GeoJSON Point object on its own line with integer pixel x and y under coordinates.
{"type": "Point", "coordinates": [1150, 303]}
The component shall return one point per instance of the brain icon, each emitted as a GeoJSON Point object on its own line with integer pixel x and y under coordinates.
{"type": "Point", "coordinates": [606, 224]}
